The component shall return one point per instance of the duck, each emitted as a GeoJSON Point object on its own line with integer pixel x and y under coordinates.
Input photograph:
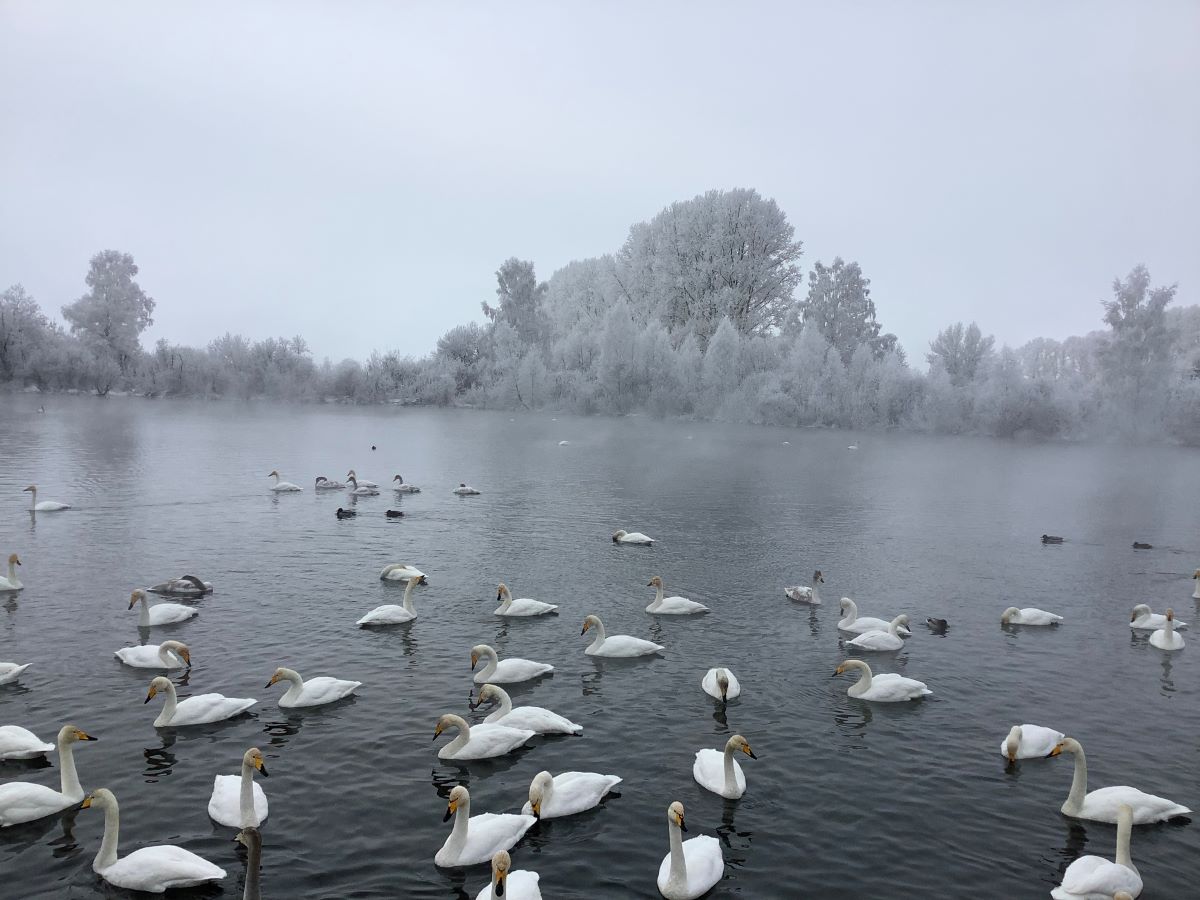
{"type": "Point", "coordinates": [522, 606]}
{"type": "Point", "coordinates": [152, 869]}
{"type": "Point", "coordinates": [324, 484]}
{"type": "Point", "coordinates": [314, 692]}
{"type": "Point", "coordinates": [346, 513]}
{"type": "Point", "coordinates": [160, 613]}
{"type": "Point", "coordinates": [1029, 742]}
{"type": "Point", "coordinates": [1143, 619]}
{"type": "Point", "coordinates": [1167, 638]}
{"type": "Point", "coordinates": [251, 839]}
{"type": "Point", "coordinates": [671, 606]}
{"type": "Point", "coordinates": [362, 489]}
{"type": "Point", "coordinates": [887, 688]}
{"type": "Point", "coordinates": [394, 514]}
{"type": "Point", "coordinates": [201, 709]}
{"type": "Point", "coordinates": [806, 593]}
{"type": "Point", "coordinates": [1095, 878]}
{"type": "Point", "coordinates": [1101, 805]}
{"type": "Point", "coordinates": [237, 800]}
{"type": "Point", "coordinates": [1030, 615]}
{"type": "Point", "coordinates": [22, 801]}
{"type": "Point", "coordinates": [881, 640]}
{"type": "Point", "coordinates": [856, 624]}
{"type": "Point", "coordinates": [464, 490]}
{"type": "Point", "coordinates": [21, 743]}
{"type": "Point", "coordinates": [401, 572]}
{"type": "Point", "coordinates": [719, 772]}
{"type": "Point", "coordinates": [12, 582]}
{"type": "Point", "coordinates": [45, 505]}
{"type": "Point", "coordinates": [283, 487]}
{"type": "Point", "coordinates": [362, 481]}
{"type": "Point", "coordinates": [568, 793]}
{"type": "Point", "coordinates": [10, 672]}
{"type": "Point", "coordinates": [721, 684]}
{"type": "Point", "coordinates": [1196, 578]}
{"type": "Point", "coordinates": [506, 671]}
{"type": "Point", "coordinates": [508, 885]}
{"type": "Point", "coordinates": [693, 867]}
{"type": "Point", "coordinates": [1139, 545]}
{"type": "Point", "coordinates": [167, 655]}
{"type": "Point", "coordinates": [400, 487]}
{"type": "Point", "coordinates": [631, 537]}
{"type": "Point", "coordinates": [622, 645]}
{"type": "Point", "coordinates": [183, 586]}
{"type": "Point", "coordinates": [390, 613]}
{"type": "Point", "coordinates": [937, 626]}
{"type": "Point", "coordinates": [1051, 539]}
{"type": "Point", "coordinates": [534, 718]}
{"type": "Point", "coordinates": [475, 839]}
{"type": "Point", "coordinates": [483, 741]}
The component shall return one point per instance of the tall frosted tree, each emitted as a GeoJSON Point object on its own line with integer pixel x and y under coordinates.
{"type": "Point", "coordinates": [24, 333]}
{"type": "Point", "coordinates": [110, 318]}
{"type": "Point", "coordinates": [519, 300]}
{"type": "Point", "coordinates": [960, 351]}
{"type": "Point", "coordinates": [839, 304]}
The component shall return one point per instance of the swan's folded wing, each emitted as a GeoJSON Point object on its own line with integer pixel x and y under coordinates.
{"type": "Point", "coordinates": [21, 801]}
{"type": "Point", "coordinates": [156, 869]}
{"type": "Point", "coordinates": [1091, 875]}
{"type": "Point", "coordinates": [705, 864]}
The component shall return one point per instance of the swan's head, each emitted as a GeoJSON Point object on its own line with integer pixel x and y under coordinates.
{"type": "Point", "coordinates": [538, 788]}
{"type": "Point", "coordinates": [818, 577]}
{"type": "Point", "coordinates": [101, 798]}
{"type": "Point", "coordinates": [617, 535]}
{"type": "Point", "coordinates": [351, 474]}
{"type": "Point", "coordinates": [179, 648]}
{"type": "Point", "coordinates": [675, 815]}
{"type": "Point", "coordinates": [501, 864]}
{"type": "Point", "coordinates": [1170, 615]}
{"type": "Point", "coordinates": [1142, 609]}
{"type": "Point", "coordinates": [69, 734]}
{"type": "Point", "coordinates": [502, 591]}
{"type": "Point", "coordinates": [488, 692]}
{"type": "Point", "coordinates": [849, 664]}
{"type": "Point", "coordinates": [32, 487]}
{"type": "Point", "coordinates": [458, 797]}
{"type": "Point", "coordinates": [1066, 745]}
{"type": "Point", "coordinates": [737, 742]}
{"type": "Point", "coordinates": [282, 674]}
{"type": "Point", "coordinates": [1196, 575]}
{"type": "Point", "coordinates": [320, 478]}
{"type": "Point", "coordinates": [1006, 616]}
{"type": "Point", "coordinates": [1122, 895]}
{"type": "Point", "coordinates": [481, 650]}
{"type": "Point", "coordinates": [13, 559]}
{"type": "Point", "coordinates": [462, 484]}
{"type": "Point", "coordinates": [253, 758]}
{"type": "Point", "coordinates": [137, 595]}
{"type": "Point", "coordinates": [590, 622]}
{"type": "Point", "coordinates": [1012, 743]}
{"type": "Point", "coordinates": [654, 582]}
{"type": "Point", "coordinates": [399, 478]}
{"type": "Point", "coordinates": [158, 684]}
{"type": "Point", "coordinates": [250, 838]}
{"type": "Point", "coordinates": [723, 682]}
{"type": "Point", "coordinates": [274, 473]}
{"type": "Point", "coordinates": [847, 604]}
{"type": "Point", "coordinates": [449, 720]}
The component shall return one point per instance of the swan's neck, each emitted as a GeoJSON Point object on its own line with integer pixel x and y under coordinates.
{"type": "Point", "coordinates": [851, 613]}
{"type": "Point", "coordinates": [276, 477]}
{"type": "Point", "coordinates": [408, 589]}
{"type": "Point", "coordinates": [490, 669]}
{"type": "Point", "coordinates": [678, 877]}
{"type": "Point", "coordinates": [1169, 628]}
{"type": "Point", "coordinates": [861, 686]}
{"type": "Point", "coordinates": [107, 855]}
{"type": "Point", "coordinates": [658, 596]}
{"type": "Point", "coordinates": [168, 710]}
{"type": "Point", "coordinates": [730, 777]}
{"type": "Point", "coordinates": [1078, 783]}
{"type": "Point", "coordinates": [816, 593]}
{"type": "Point", "coordinates": [12, 572]}
{"type": "Point", "coordinates": [68, 777]}
{"type": "Point", "coordinates": [247, 798]}
{"type": "Point", "coordinates": [505, 603]}
{"type": "Point", "coordinates": [598, 640]}
{"type": "Point", "coordinates": [295, 685]}
{"type": "Point", "coordinates": [458, 836]}
{"type": "Point", "coordinates": [167, 657]}
{"type": "Point", "coordinates": [463, 738]}
{"type": "Point", "coordinates": [32, 499]}
{"type": "Point", "coordinates": [143, 613]}
{"type": "Point", "coordinates": [502, 710]}
{"type": "Point", "coordinates": [1123, 858]}
{"type": "Point", "coordinates": [253, 875]}
{"type": "Point", "coordinates": [893, 629]}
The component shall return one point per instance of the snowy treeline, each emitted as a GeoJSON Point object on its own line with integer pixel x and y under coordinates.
{"type": "Point", "coordinates": [704, 311]}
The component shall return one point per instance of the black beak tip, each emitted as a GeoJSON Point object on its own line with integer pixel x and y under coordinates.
{"type": "Point", "coordinates": [753, 755]}
{"type": "Point", "coordinates": [499, 888]}
{"type": "Point", "coordinates": [683, 827]}
{"type": "Point", "coordinates": [263, 771]}
{"type": "Point", "coordinates": [267, 685]}
{"type": "Point", "coordinates": [449, 813]}
{"type": "Point", "coordinates": [584, 631]}
{"type": "Point", "coordinates": [147, 700]}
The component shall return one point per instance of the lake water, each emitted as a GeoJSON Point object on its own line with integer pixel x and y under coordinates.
{"type": "Point", "coordinates": [846, 798]}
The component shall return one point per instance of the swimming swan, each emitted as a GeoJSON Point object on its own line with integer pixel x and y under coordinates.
{"type": "Point", "coordinates": [151, 869]}
{"type": "Point", "coordinates": [617, 644]}
{"type": "Point", "coordinates": [1029, 742]}
{"type": "Point", "coordinates": [506, 671]}
{"type": "Point", "coordinates": [508, 885]}
{"type": "Point", "coordinates": [183, 586]}
{"type": "Point", "coordinates": [887, 688]}
{"type": "Point", "coordinates": [721, 683]}
{"type": "Point", "coordinates": [1030, 615]}
{"type": "Point", "coordinates": [692, 867]}
{"type": "Point", "coordinates": [522, 606]}
{"type": "Point", "coordinates": [568, 793]}
{"type": "Point", "coordinates": [1167, 638]}
{"type": "Point", "coordinates": [1142, 619]}
{"type": "Point", "coordinates": [362, 489]}
{"type": "Point", "coordinates": [534, 718]}
{"type": "Point", "coordinates": [237, 800]}
{"type": "Point", "coordinates": [1101, 805]}
{"type": "Point", "coordinates": [475, 839]}
{"type": "Point", "coordinates": [390, 613]}
{"type": "Point", "coordinates": [22, 801]}
{"type": "Point", "coordinates": [324, 484]}
{"type": "Point", "coordinates": [362, 481]}
{"type": "Point", "coordinates": [671, 606]}
{"type": "Point", "coordinates": [881, 640]}
{"type": "Point", "coordinates": [719, 772]}
{"type": "Point", "coordinates": [21, 743]}
{"type": "Point", "coordinates": [480, 741]}
{"type": "Point", "coordinates": [10, 672]}
{"type": "Point", "coordinates": [1092, 877]}
{"type": "Point", "coordinates": [631, 537]}
{"type": "Point", "coordinates": [464, 490]}
{"type": "Point", "coordinates": [283, 487]}
{"type": "Point", "coordinates": [12, 582]}
{"type": "Point", "coordinates": [856, 624]}
{"type": "Point", "coordinates": [198, 710]}
{"type": "Point", "coordinates": [400, 572]}
{"type": "Point", "coordinates": [167, 655]}
{"type": "Point", "coordinates": [809, 594]}
{"type": "Point", "coordinates": [400, 487]}
{"type": "Point", "coordinates": [160, 613]}
{"type": "Point", "coordinates": [45, 505]}
{"type": "Point", "coordinates": [314, 692]}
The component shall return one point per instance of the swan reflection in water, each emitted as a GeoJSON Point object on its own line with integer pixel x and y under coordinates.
{"type": "Point", "coordinates": [737, 843]}
{"type": "Point", "coordinates": [160, 760]}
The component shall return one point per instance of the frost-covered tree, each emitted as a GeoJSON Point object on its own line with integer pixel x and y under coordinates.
{"type": "Point", "coordinates": [463, 349]}
{"type": "Point", "coordinates": [110, 318]}
{"type": "Point", "coordinates": [25, 333]}
{"type": "Point", "coordinates": [519, 299]}
{"type": "Point", "coordinates": [839, 304]}
{"type": "Point", "coordinates": [618, 361]}
{"type": "Point", "coordinates": [721, 372]}
{"type": "Point", "coordinates": [960, 351]}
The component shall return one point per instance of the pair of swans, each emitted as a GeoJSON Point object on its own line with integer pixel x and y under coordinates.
{"type": "Point", "coordinates": [159, 613]}
{"type": "Point", "coordinates": [21, 743]}
{"type": "Point", "coordinates": [693, 867]}
{"type": "Point", "coordinates": [719, 772]}
{"type": "Point", "coordinates": [617, 645]}
{"type": "Point", "coordinates": [12, 582]}
{"type": "Point", "coordinates": [807, 594]}
{"type": "Point", "coordinates": [283, 487]}
{"type": "Point", "coordinates": [22, 801]}
{"type": "Point", "coordinates": [1029, 742]}
{"type": "Point", "coordinates": [167, 655]}
{"type": "Point", "coordinates": [882, 640]}
{"type": "Point", "coordinates": [1094, 876]}
{"type": "Point", "coordinates": [887, 688]}
{"type": "Point", "coordinates": [721, 684]}
{"type": "Point", "coordinates": [201, 709]}
{"type": "Point", "coordinates": [362, 489]}
{"type": "Point", "coordinates": [399, 486]}
{"type": "Point", "coordinates": [238, 801]}
{"type": "Point", "coordinates": [485, 741]}
{"type": "Point", "coordinates": [671, 606]}
{"type": "Point", "coordinates": [533, 718]}
{"type": "Point", "coordinates": [465, 490]}
{"type": "Point", "coordinates": [352, 477]}
{"type": "Point", "coordinates": [566, 794]}
{"type": "Point", "coordinates": [1102, 805]}
{"type": "Point", "coordinates": [183, 586]}
{"type": "Point", "coordinates": [522, 606]}
{"type": "Point", "coordinates": [507, 671]}
{"type": "Point", "coordinates": [853, 623]}
{"type": "Point", "coordinates": [391, 613]}
{"type": "Point", "coordinates": [1030, 615]}
{"type": "Point", "coordinates": [314, 692]}
{"type": "Point", "coordinates": [509, 885]}
{"type": "Point", "coordinates": [1167, 638]}
{"type": "Point", "coordinates": [631, 537]}
{"type": "Point", "coordinates": [10, 671]}
{"type": "Point", "coordinates": [45, 505]}
{"type": "Point", "coordinates": [1143, 619]}
{"type": "Point", "coordinates": [476, 839]}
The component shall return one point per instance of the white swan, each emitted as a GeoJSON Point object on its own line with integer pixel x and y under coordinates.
{"type": "Point", "coordinates": [617, 644]}
{"type": "Point", "coordinates": [362, 489]}
{"type": "Point", "coordinates": [21, 743]}
{"type": "Point", "coordinates": [856, 624]}
{"type": "Point", "coordinates": [693, 867]}
{"type": "Point", "coordinates": [237, 800]}
{"type": "Point", "coordinates": [21, 801]}
{"type": "Point", "coordinates": [324, 484]}
{"type": "Point", "coordinates": [198, 710]}
{"type": "Point", "coordinates": [719, 772]}
{"type": "Point", "coordinates": [314, 692]}
{"type": "Point", "coordinates": [1095, 878]}
{"type": "Point", "coordinates": [887, 688]}
{"type": "Point", "coordinates": [1196, 577]}
{"type": "Point", "coordinates": [250, 838]}
{"type": "Point", "coordinates": [522, 606]}
{"type": "Point", "coordinates": [1101, 805]}
{"type": "Point", "coordinates": [183, 586]}
{"type": "Point", "coordinates": [160, 613]}
{"type": "Point", "coordinates": [390, 613]}
{"type": "Point", "coordinates": [568, 793]}
{"type": "Point", "coordinates": [1167, 638]}
{"type": "Point", "coordinates": [475, 839]}
{"type": "Point", "coordinates": [534, 718]}
{"type": "Point", "coordinates": [508, 885]}
{"type": "Point", "coordinates": [882, 640]}
{"type": "Point", "coordinates": [45, 505]}
{"type": "Point", "coordinates": [360, 481]}
{"type": "Point", "coordinates": [12, 582]}
{"type": "Point", "coordinates": [721, 684]}
{"type": "Point", "coordinates": [1030, 615]}
{"type": "Point", "coordinates": [807, 594]}
{"type": "Point", "coordinates": [482, 741]}
{"type": "Point", "coordinates": [507, 671]}
{"type": "Point", "coordinates": [167, 655]}
{"type": "Point", "coordinates": [151, 869]}
{"type": "Point", "coordinates": [1029, 742]}
{"type": "Point", "coordinates": [399, 486]}
{"type": "Point", "coordinates": [464, 490]}
{"type": "Point", "coordinates": [671, 606]}
{"type": "Point", "coordinates": [1142, 619]}
{"type": "Point", "coordinates": [10, 672]}
{"type": "Point", "coordinates": [283, 487]}
{"type": "Point", "coordinates": [631, 537]}
{"type": "Point", "coordinates": [400, 572]}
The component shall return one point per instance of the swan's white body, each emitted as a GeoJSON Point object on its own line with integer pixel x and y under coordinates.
{"type": "Point", "coordinates": [198, 710]}
{"type": "Point", "coordinates": [21, 743]}
{"type": "Point", "coordinates": [12, 582]}
{"type": "Point", "coordinates": [632, 537]}
{"type": "Point", "coordinates": [1102, 805]}
{"type": "Point", "coordinates": [151, 869]}
{"type": "Point", "coordinates": [283, 487]}
{"type": "Point", "coordinates": [807, 594]}
{"type": "Point", "coordinates": [1029, 742]}
{"type": "Point", "coordinates": [1196, 590]}
{"type": "Point", "coordinates": [464, 490]}
{"type": "Point", "coordinates": [390, 613]}
{"type": "Point", "coordinates": [400, 572]}
{"type": "Point", "coordinates": [533, 718]}
{"type": "Point", "coordinates": [238, 801]}
{"type": "Point", "coordinates": [12, 671]}
{"type": "Point", "coordinates": [711, 683]}
{"type": "Point", "coordinates": [671, 606]}
{"type": "Point", "coordinates": [1167, 638]}
{"type": "Point", "coordinates": [505, 671]}
{"type": "Point", "coordinates": [693, 867]}
{"type": "Point", "coordinates": [167, 655]}
{"type": "Point", "coordinates": [719, 772]}
{"type": "Point", "coordinates": [1096, 878]}
{"type": "Point", "coordinates": [21, 801]}
{"type": "Point", "coordinates": [475, 839]}
{"type": "Point", "coordinates": [45, 505]}
{"type": "Point", "coordinates": [855, 624]}
{"type": "Point", "coordinates": [1030, 615]}
{"type": "Point", "coordinates": [362, 489]}
{"type": "Point", "coordinates": [522, 606]}
{"type": "Point", "coordinates": [182, 587]}
{"type": "Point", "coordinates": [324, 484]}
{"type": "Point", "coordinates": [1142, 619]}
{"type": "Point", "coordinates": [314, 692]}
{"type": "Point", "coordinates": [400, 487]}
{"type": "Point", "coordinates": [567, 793]}
{"type": "Point", "coordinates": [881, 640]}
{"type": "Point", "coordinates": [479, 741]}
{"type": "Point", "coordinates": [159, 613]}
{"type": "Point", "coordinates": [619, 645]}
{"type": "Point", "coordinates": [887, 688]}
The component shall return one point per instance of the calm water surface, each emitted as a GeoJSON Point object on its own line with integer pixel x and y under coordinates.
{"type": "Point", "coordinates": [846, 798]}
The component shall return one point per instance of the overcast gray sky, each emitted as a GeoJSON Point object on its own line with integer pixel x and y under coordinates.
{"type": "Point", "coordinates": [356, 172]}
